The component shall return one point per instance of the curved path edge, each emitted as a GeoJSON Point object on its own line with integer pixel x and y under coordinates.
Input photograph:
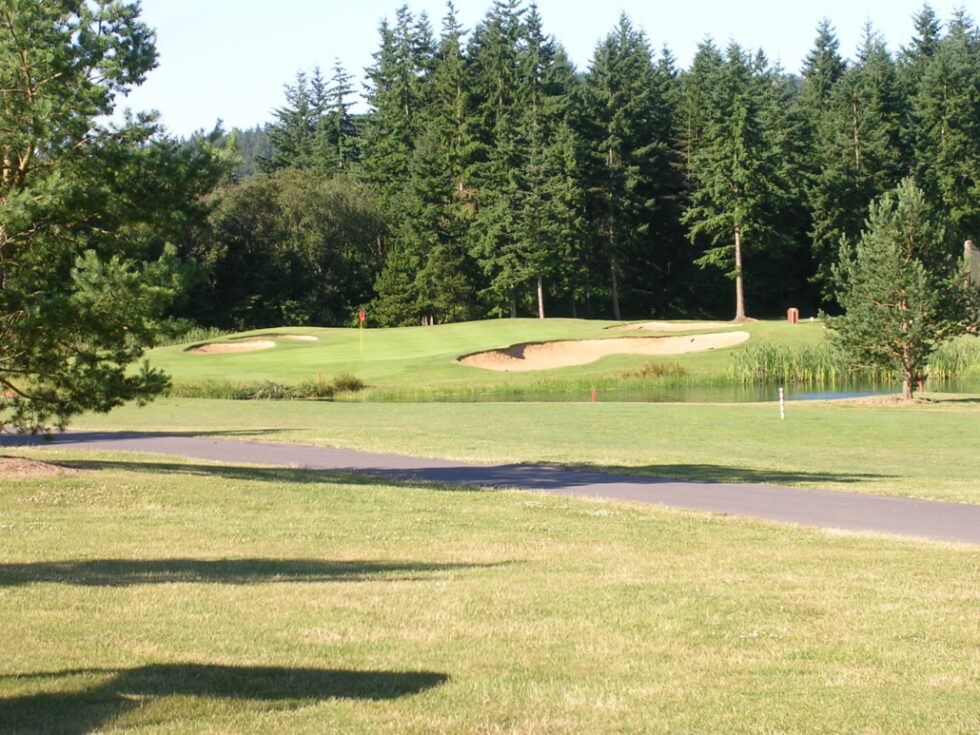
{"type": "Point", "coordinates": [930, 519]}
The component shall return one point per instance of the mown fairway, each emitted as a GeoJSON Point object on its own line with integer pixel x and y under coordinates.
{"type": "Point", "coordinates": [922, 450]}
{"type": "Point", "coordinates": [162, 596]}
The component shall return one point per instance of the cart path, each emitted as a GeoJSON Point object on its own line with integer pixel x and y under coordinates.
{"type": "Point", "coordinates": [823, 508]}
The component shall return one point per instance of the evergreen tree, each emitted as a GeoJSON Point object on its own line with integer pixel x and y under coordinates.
{"type": "Point", "coordinates": [337, 146]}
{"type": "Point", "coordinates": [695, 90]}
{"type": "Point", "coordinates": [738, 188]}
{"type": "Point", "coordinates": [629, 133]}
{"type": "Point", "coordinates": [901, 288]}
{"type": "Point", "coordinates": [861, 151]}
{"type": "Point", "coordinates": [293, 135]}
{"type": "Point", "coordinates": [396, 95]}
{"type": "Point", "coordinates": [430, 275]}
{"type": "Point", "coordinates": [945, 121]}
{"type": "Point", "coordinates": [822, 69]}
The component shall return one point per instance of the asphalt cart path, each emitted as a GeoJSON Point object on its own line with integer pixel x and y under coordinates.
{"type": "Point", "coordinates": [930, 519]}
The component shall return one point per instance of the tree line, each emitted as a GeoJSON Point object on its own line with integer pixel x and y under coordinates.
{"type": "Point", "coordinates": [489, 177]}
{"type": "Point", "coordinates": [492, 178]}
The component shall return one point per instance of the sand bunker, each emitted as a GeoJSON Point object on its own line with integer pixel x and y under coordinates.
{"type": "Point", "coordinates": [548, 355]}
{"type": "Point", "coordinates": [247, 344]}
{"type": "Point", "coordinates": [221, 348]}
{"type": "Point", "coordinates": [672, 326]}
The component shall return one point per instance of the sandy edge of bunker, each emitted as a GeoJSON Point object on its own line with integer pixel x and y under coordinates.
{"type": "Point", "coordinates": [567, 353]}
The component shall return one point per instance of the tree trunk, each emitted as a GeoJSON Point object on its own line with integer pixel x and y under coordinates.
{"type": "Point", "coordinates": [540, 298]}
{"type": "Point", "coordinates": [615, 288]}
{"type": "Point", "coordinates": [908, 375]}
{"type": "Point", "coordinates": [513, 305]}
{"type": "Point", "coordinates": [739, 286]}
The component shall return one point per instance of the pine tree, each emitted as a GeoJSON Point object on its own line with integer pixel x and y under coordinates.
{"type": "Point", "coordinates": [695, 89]}
{"type": "Point", "coordinates": [82, 204]}
{"type": "Point", "coordinates": [901, 288]}
{"type": "Point", "coordinates": [430, 235]}
{"type": "Point", "coordinates": [395, 94]}
{"type": "Point", "coordinates": [520, 197]}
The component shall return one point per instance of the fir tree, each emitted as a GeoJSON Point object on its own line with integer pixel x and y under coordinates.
{"type": "Point", "coordinates": [945, 123]}
{"type": "Point", "coordinates": [629, 132]}
{"type": "Point", "coordinates": [293, 134]}
{"type": "Point", "coordinates": [738, 187]}
{"type": "Point", "coordinates": [861, 151]}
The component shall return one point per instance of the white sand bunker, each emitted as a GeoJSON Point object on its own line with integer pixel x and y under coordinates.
{"type": "Point", "coordinates": [548, 355]}
{"type": "Point", "coordinates": [672, 326]}
{"type": "Point", "coordinates": [247, 344]}
{"type": "Point", "coordinates": [221, 348]}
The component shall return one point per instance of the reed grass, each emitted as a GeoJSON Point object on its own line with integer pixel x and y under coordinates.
{"type": "Point", "coordinates": [815, 364]}
{"type": "Point", "coordinates": [270, 390]}
{"type": "Point", "coordinates": [956, 358]}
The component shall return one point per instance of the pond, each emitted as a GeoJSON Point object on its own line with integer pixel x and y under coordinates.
{"type": "Point", "coordinates": [706, 393]}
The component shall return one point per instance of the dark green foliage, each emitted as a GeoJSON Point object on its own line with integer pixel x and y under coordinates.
{"type": "Point", "coordinates": [942, 76]}
{"type": "Point", "coordinates": [290, 248]}
{"type": "Point", "coordinates": [293, 135]}
{"type": "Point", "coordinates": [85, 212]}
{"type": "Point", "coordinates": [511, 184]}
{"type": "Point", "coordinates": [860, 149]}
{"type": "Point", "coordinates": [740, 184]}
{"type": "Point", "coordinates": [529, 221]}
{"type": "Point", "coordinates": [633, 176]}
{"type": "Point", "coordinates": [903, 289]}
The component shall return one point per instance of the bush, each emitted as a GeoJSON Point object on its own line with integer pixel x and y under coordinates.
{"type": "Point", "coordinates": [657, 370]}
{"type": "Point", "coordinates": [347, 382]}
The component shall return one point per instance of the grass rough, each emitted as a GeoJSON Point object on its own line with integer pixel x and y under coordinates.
{"type": "Point", "coordinates": [157, 595]}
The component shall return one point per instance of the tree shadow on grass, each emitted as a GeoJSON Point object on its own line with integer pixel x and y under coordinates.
{"type": "Point", "coordinates": [298, 476]}
{"type": "Point", "coordinates": [78, 436]}
{"type": "Point", "coordinates": [557, 478]}
{"type": "Point", "coordinates": [128, 572]}
{"type": "Point", "coordinates": [741, 475]}
{"type": "Point", "coordinates": [76, 712]}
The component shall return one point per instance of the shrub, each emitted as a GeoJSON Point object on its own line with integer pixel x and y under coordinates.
{"type": "Point", "coordinates": [657, 370]}
{"type": "Point", "coordinates": [347, 382]}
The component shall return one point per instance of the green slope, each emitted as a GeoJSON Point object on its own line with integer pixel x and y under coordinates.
{"type": "Point", "coordinates": [425, 358]}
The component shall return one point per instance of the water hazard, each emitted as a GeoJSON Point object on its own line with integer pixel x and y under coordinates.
{"type": "Point", "coordinates": [703, 393]}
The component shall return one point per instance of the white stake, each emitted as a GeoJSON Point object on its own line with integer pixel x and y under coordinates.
{"type": "Point", "coordinates": [782, 404]}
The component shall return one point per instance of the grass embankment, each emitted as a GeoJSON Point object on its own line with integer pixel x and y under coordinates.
{"type": "Point", "coordinates": [921, 450]}
{"type": "Point", "coordinates": [162, 596]}
{"type": "Point", "coordinates": [417, 361]}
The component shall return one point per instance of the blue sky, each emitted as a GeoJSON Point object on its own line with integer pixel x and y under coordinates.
{"type": "Point", "coordinates": [229, 59]}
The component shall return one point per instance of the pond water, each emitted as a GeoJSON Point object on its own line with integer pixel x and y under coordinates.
{"type": "Point", "coordinates": [710, 393]}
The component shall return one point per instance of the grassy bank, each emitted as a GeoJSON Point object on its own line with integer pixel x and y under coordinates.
{"type": "Point", "coordinates": [921, 450]}
{"type": "Point", "coordinates": [406, 361]}
{"type": "Point", "coordinates": [161, 596]}
{"type": "Point", "coordinates": [421, 363]}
